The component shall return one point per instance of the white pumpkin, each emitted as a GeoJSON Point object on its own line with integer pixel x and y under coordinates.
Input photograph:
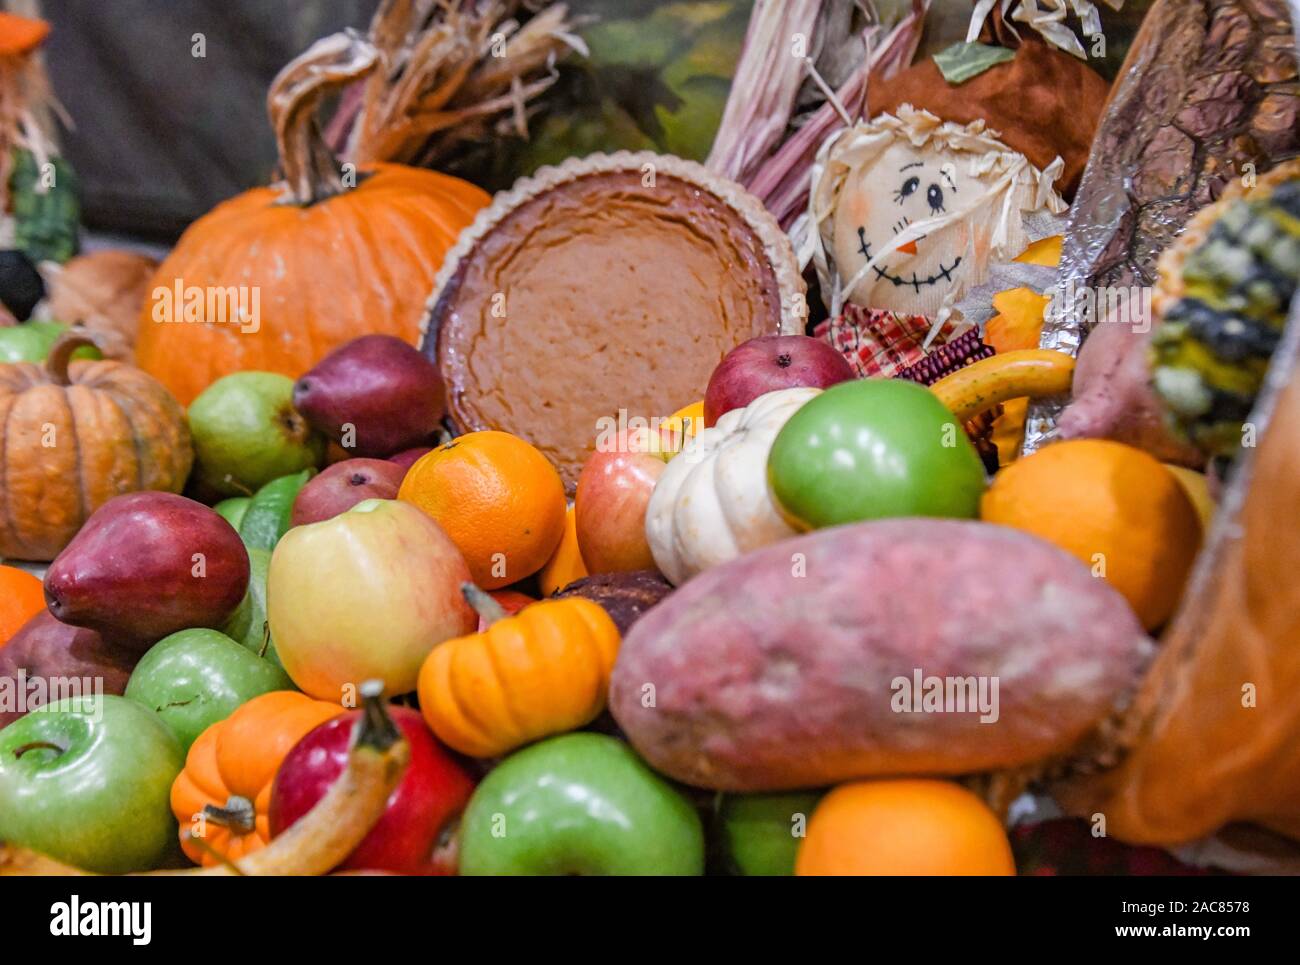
{"type": "Point", "coordinates": [713, 503]}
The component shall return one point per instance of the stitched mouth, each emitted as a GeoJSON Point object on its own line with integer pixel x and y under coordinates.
{"type": "Point", "coordinates": [915, 282]}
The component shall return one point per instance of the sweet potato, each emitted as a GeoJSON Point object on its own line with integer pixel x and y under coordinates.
{"type": "Point", "coordinates": [781, 669]}
{"type": "Point", "coordinates": [1113, 398]}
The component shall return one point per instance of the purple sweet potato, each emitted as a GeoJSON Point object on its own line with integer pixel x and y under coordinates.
{"type": "Point", "coordinates": [790, 667]}
{"type": "Point", "coordinates": [1113, 398]}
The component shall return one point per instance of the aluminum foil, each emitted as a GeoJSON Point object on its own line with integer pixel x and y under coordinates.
{"type": "Point", "coordinates": [1205, 96]}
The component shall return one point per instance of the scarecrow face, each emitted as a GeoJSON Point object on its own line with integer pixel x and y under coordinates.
{"type": "Point", "coordinates": [901, 186]}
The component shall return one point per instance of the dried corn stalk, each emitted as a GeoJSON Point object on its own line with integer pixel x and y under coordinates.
{"type": "Point", "coordinates": [449, 70]}
{"type": "Point", "coordinates": [773, 161]}
{"type": "Point", "coordinates": [770, 72]}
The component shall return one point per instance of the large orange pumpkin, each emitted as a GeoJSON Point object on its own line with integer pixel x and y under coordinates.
{"type": "Point", "coordinates": [74, 434]}
{"type": "Point", "coordinates": [224, 792]}
{"type": "Point", "coordinates": [328, 254]}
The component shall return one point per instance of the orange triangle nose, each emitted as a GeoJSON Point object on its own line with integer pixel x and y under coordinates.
{"type": "Point", "coordinates": [908, 249]}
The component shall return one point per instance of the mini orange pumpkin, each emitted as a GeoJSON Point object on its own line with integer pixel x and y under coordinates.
{"type": "Point", "coordinates": [327, 254]}
{"type": "Point", "coordinates": [542, 671]}
{"type": "Point", "coordinates": [224, 793]}
{"type": "Point", "coordinates": [72, 436]}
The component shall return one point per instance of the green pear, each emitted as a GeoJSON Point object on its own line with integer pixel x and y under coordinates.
{"type": "Point", "coordinates": [247, 432]}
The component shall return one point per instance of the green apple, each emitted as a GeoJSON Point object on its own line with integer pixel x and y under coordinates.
{"type": "Point", "coordinates": [232, 510]}
{"type": "Point", "coordinates": [248, 625]}
{"type": "Point", "coordinates": [194, 678]}
{"type": "Point", "coordinates": [870, 449]}
{"type": "Point", "coordinates": [579, 804]}
{"type": "Point", "coordinates": [270, 511]}
{"type": "Point", "coordinates": [88, 781]}
{"type": "Point", "coordinates": [761, 833]}
{"type": "Point", "coordinates": [32, 341]}
{"type": "Point", "coordinates": [247, 432]}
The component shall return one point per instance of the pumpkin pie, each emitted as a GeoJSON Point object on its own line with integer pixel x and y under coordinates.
{"type": "Point", "coordinates": [610, 284]}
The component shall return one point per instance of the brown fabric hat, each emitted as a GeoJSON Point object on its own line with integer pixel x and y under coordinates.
{"type": "Point", "coordinates": [1044, 102]}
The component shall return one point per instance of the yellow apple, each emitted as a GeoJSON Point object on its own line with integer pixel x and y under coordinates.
{"type": "Point", "coordinates": [366, 594]}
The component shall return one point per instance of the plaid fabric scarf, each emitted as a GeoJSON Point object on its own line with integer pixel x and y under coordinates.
{"type": "Point", "coordinates": [885, 344]}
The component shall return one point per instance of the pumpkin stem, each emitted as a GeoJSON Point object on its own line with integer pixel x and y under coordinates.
{"type": "Point", "coordinates": [238, 815]}
{"type": "Point", "coordinates": [56, 363]}
{"type": "Point", "coordinates": [484, 605]}
{"type": "Point", "coordinates": [376, 728]}
{"type": "Point", "coordinates": [311, 172]}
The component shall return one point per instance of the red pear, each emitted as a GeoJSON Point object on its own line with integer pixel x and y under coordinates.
{"type": "Point", "coordinates": [146, 565]}
{"type": "Point", "coordinates": [374, 396]}
{"type": "Point", "coordinates": [44, 651]}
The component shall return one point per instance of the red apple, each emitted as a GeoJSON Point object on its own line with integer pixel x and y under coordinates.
{"type": "Point", "coordinates": [609, 507]}
{"type": "Point", "coordinates": [408, 457]}
{"type": "Point", "coordinates": [769, 363]}
{"type": "Point", "coordinates": [420, 812]}
{"type": "Point", "coordinates": [343, 485]}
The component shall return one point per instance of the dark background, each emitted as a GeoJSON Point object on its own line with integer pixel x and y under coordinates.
{"type": "Point", "coordinates": [160, 136]}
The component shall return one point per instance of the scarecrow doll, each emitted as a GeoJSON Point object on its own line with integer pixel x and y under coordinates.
{"type": "Point", "coordinates": [964, 163]}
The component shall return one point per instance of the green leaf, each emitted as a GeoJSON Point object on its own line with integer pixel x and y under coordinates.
{"type": "Point", "coordinates": [46, 208]}
{"type": "Point", "coordinates": [960, 62]}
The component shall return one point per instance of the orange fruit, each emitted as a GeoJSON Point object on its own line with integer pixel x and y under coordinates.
{"type": "Point", "coordinates": [565, 564]}
{"type": "Point", "coordinates": [1117, 509]}
{"type": "Point", "coordinates": [22, 596]}
{"type": "Point", "coordinates": [497, 497]}
{"type": "Point", "coordinates": [904, 827]}
{"type": "Point", "coordinates": [683, 425]}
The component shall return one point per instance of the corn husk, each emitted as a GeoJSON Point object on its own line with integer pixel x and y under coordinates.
{"type": "Point", "coordinates": [1049, 18]}
{"type": "Point", "coordinates": [775, 158]}
{"type": "Point", "coordinates": [450, 71]}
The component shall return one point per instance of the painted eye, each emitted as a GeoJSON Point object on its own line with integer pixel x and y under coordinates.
{"type": "Point", "coordinates": [935, 197]}
{"type": "Point", "coordinates": [909, 188]}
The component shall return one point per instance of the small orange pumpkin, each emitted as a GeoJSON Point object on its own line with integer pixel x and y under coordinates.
{"type": "Point", "coordinates": [327, 260]}
{"type": "Point", "coordinates": [223, 795]}
{"type": "Point", "coordinates": [74, 434]}
{"type": "Point", "coordinates": [543, 671]}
